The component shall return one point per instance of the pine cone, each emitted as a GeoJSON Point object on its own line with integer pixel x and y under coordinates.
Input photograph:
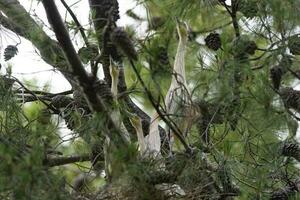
{"type": "Point", "coordinates": [104, 90]}
{"type": "Point", "coordinates": [284, 193]}
{"type": "Point", "coordinates": [61, 101]}
{"type": "Point", "coordinates": [292, 150]}
{"type": "Point", "coordinates": [291, 98]}
{"type": "Point", "coordinates": [10, 51]}
{"type": "Point", "coordinates": [279, 195]}
{"type": "Point", "coordinates": [79, 99]}
{"type": "Point", "coordinates": [121, 39]}
{"type": "Point", "coordinates": [251, 48]}
{"type": "Point", "coordinates": [276, 73]}
{"type": "Point", "coordinates": [70, 121]}
{"type": "Point", "coordinates": [213, 41]}
{"type": "Point", "coordinates": [163, 57]}
{"type": "Point", "coordinates": [242, 47]}
{"type": "Point", "coordinates": [294, 45]}
{"type": "Point", "coordinates": [155, 23]}
{"type": "Point", "coordinates": [104, 7]}
{"type": "Point", "coordinates": [249, 8]}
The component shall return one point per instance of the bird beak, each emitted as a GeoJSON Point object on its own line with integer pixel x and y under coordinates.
{"type": "Point", "coordinates": [179, 22]}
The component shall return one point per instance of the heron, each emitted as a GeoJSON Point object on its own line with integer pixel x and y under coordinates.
{"type": "Point", "coordinates": [178, 93]}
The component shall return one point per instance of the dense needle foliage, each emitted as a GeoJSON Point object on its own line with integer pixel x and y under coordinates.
{"type": "Point", "coordinates": [236, 138]}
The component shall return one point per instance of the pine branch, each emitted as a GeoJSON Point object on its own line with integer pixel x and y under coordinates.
{"type": "Point", "coordinates": [8, 24]}
{"type": "Point", "coordinates": [57, 161]}
{"type": "Point", "coordinates": [50, 107]}
{"type": "Point", "coordinates": [19, 21]}
{"type": "Point", "coordinates": [96, 104]}
{"type": "Point", "coordinates": [81, 29]}
{"type": "Point", "coordinates": [101, 23]}
{"type": "Point", "coordinates": [233, 16]}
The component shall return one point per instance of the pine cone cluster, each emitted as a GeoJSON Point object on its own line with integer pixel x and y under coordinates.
{"type": "Point", "coordinates": [121, 39]}
{"type": "Point", "coordinates": [279, 70]}
{"type": "Point", "coordinates": [291, 98]}
{"type": "Point", "coordinates": [276, 74]}
{"type": "Point", "coordinates": [249, 8]}
{"type": "Point", "coordinates": [104, 90]}
{"type": "Point", "coordinates": [10, 51]}
{"type": "Point", "coordinates": [294, 45]}
{"type": "Point", "coordinates": [284, 193]}
{"type": "Point", "coordinates": [213, 41]}
{"type": "Point", "coordinates": [155, 23]}
{"type": "Point", "coordinates": [162, 56]}
{"type": "Point", "coordinates": [105, 6]}
{"type": "Point", "coordinates": [291, 149]}
{"type": "Point", "coordinates": [242, 47]}
{"type": "Point", "coordinates": [279, 195]}
{"type": "Point", "coordinates": [79, 99]}
{"type": "Point", "coordinates": [61, 101]}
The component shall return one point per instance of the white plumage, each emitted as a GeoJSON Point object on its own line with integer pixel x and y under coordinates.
{"type": "Point", "coordinates": [178, 94]}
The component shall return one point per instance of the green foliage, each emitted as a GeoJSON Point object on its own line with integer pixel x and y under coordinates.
{"type": "Point", "coordinates": [23, 141]}
{"type": "Point", "coordinates": [228, 67]}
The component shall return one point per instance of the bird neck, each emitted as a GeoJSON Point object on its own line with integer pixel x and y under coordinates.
{"type": "Point", "coordinates": [179, 64]}
{"type": "Point", "coordinates": [141, 138]}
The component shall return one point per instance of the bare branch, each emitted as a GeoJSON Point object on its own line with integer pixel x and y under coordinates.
{"type": "Point", "coordinates": [19, 21]}
{"type": "Point", "coordinates": [57, 161]}
{"type": "Point", "coordinates": [96, 104]}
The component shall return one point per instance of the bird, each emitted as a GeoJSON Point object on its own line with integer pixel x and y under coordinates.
{"type": "Point", "coordinates": [178, 93]}
{"type": "Point", "coordinates": [149, 145]}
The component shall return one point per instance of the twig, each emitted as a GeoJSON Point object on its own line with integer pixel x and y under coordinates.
{"type": "Point", "coordinates": [47, 94]}
{"type": "Point", "coordinates": [81, 29]}
{"type": "Point", "coordinates": [57, 161]}
{"type": "Point", "coordinates": [233, 16]}
{"type": "Point", "coordinates": [35, 96]}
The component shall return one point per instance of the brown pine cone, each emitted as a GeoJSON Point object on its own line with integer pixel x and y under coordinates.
{"type": "Point", "coordinates": [61, 101]}
{"type": "Point", "coordinates": [213, 41]}
{"type": "Point", "coordinates": [294, 45]}
{"type": "Point", "coordinates": [276, 73]}
{"type": "Point", "coordinates": [292, 150]}
{"type": "Point", "coordinates": [284, 193]}
{"type": "Point", "coordinates": [9, 52]}
{"type": "Point", "coordinates": [163, 57]}
{"type": "Point", "coordinates": [121, 39]}
{"type": "Point", "coordinates": [291, 98]}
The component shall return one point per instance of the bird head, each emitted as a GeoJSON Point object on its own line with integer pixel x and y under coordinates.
{"type": "Point", "coordinates": [182, 29]}
{"type": "Point", "coordinates": [135, 121]}
{"type": "Point", "coordinates": [114, 69]}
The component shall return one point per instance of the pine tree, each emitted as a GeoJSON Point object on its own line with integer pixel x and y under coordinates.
{"type": "Point", "coordinates": [235, 128]}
